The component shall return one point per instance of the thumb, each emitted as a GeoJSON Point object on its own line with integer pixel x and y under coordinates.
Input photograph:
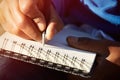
{"type": "Point", "coordinates": [92, 45]}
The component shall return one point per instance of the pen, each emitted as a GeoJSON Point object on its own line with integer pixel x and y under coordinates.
{"type": "Point", "coordinates": [46, 13]}
{"type": "Point", "coordinates": [43, 38]}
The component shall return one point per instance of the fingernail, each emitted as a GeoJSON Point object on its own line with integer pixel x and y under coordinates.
{"type": "Point", "coordinates": [40, 23]}
{"type": "Point", "coordinates": [41, 26]}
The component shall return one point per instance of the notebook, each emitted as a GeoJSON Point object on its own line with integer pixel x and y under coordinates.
{"type": "Point", "coordinates": [55, 54]}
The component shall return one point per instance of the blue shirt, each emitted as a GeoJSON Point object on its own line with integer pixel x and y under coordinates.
{"type": "Point", "coordinates": [104, 9]}
{"type": "Point", "coordinates": [101, 14]}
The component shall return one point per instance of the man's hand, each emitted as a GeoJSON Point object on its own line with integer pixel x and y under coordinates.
{"type": "Point", "coordinates": [109, 49]}
{"type": "Point", "coordinates": [27, 19]}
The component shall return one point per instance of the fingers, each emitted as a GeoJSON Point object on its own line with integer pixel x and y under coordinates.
{"type": "Point", "coordinates": [114, 53]}
{"type": "Point", "coordinates": [98, 46]}
{"type": "Point", "coordinates": [114, 56]}
{"type": "Point", "coordinates": [55, 24]}
{"type": "Point", "coordinates": [31, 9]}
{"type": "Point", "coordinates": [25, 19]}
{"type": "Point", "coordinates": [24, 23]}
{"type": "Point", "coordinates": [21, 34]}
{"type": "Point", "coordinates": [51, 30]}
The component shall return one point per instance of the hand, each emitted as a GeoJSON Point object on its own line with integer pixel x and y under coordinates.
{"type": "Point", "coordinates": [114, 56]}
{"type": "Point", "coordinates": [106, 48]}
{"type": "Point", "coordinates": [26, 18]}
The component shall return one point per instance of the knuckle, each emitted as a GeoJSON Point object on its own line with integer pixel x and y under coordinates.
{"type": "Point", "coordinates": [26, 6]}
{"type": "Point", "coordinates": [38, 20]}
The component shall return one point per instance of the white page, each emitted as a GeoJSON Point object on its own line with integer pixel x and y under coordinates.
{"type": "Point", "coordinates": [67, 56]}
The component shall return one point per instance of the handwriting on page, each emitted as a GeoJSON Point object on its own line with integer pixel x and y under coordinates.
{"type": "Point", "coordinates": [59, 57]}
{"type": "Point", "coordinates": [46, 54]}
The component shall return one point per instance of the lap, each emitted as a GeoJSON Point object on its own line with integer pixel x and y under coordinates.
{"type": "Point", "coordinates": [17, 70]}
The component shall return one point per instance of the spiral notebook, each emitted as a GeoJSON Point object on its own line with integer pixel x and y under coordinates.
{"type": "Point", "coordinates": [54, 55]}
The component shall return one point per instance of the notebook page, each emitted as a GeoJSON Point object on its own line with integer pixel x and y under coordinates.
{"type": "Point", "coordinates": [55, 51]}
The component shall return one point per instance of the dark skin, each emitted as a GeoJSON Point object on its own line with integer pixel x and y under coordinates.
{"type": "Point", "coordinates": [108, 55]}
{"type": "Point", "coordinates": [107, 48]}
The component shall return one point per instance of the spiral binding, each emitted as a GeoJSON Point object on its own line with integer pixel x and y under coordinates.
{"type": "Point", "coordinates": [45, 62]}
